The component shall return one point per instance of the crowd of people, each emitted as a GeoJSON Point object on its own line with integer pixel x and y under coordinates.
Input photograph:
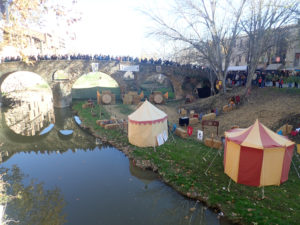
{"type": "Point", "coordinates": [100, 57]}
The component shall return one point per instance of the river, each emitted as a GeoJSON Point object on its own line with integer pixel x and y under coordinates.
{"type": "Point", "coordinates": [75, 180]}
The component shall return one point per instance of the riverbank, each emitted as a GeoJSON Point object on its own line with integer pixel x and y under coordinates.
{"type": "Point", "coordinates": [197, 172]}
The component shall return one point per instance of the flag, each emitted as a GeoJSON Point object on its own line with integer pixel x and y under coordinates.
{"type": "Point", "coordinates": [166, 95]}
{"type": "Point", "coordinates": [98, 98]}
{"type": "Point", "coordinates": [190, 130]}
{"type": "Point", "coordinates": [142, 95]}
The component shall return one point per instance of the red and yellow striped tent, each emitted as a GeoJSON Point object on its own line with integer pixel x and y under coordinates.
{"type": "Point", "coordinates": [257, 156]}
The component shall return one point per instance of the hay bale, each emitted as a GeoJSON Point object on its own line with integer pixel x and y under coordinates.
{"type": "Point", "coordinates": [227, 108]}
{"type": "Point", "coordinates": [289, 129]}
{"type": "Point", "coordinates": [217, 144]}
{"type": "Point", "coordinates": [208, 142]}
{"type": "Point", "coordinates": [193, 121]}
{"type": "Point", "coordinates": [112, 126]}
{"type": "Point", "coordinates": [181, 133]}
{"type": "Point", "coordinates": [85, 106]}
{"type": "Point", "coordinates": [213, 143]}
{"type": "Point", "coordinates": [286, 129]}
{"type": "Point", "coordinates": [136, 99]}
{"type": "Point", "coordinates": [127, 100]}
{"type": "Point", "coordinates": [98, 122]}
{"type": "Point", "coordinates": [209, 116]}
{"type": "Point", "coordinates": [183, 112]}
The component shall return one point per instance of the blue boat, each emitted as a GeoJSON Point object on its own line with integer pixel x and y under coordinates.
{"type": "Point", "coordinates": [47, 129]}
{"type": "Point", "coordinates": [66, 132]}
{"type": "Point", "coordinates": [77, 120]}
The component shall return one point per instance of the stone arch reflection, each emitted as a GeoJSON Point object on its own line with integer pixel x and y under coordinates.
{"type": "Point", "coordinates": [29, 103]}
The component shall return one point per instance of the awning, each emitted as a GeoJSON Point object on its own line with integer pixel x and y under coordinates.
{"type": "Point", "coordinates": [237, 68]}
{"type": "Point", "coordinates": [273, 66]}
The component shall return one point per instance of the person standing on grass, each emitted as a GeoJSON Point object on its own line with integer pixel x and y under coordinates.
{"type": "Point", "coordinates": [259, 82]}
{"type": "Point", "coordinates": [280, 82]}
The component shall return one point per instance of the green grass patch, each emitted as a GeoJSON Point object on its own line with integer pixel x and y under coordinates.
{"type": "Point", "coordinates": [124, 109]}
{"type": "Point", "coordinates": [184, 164]}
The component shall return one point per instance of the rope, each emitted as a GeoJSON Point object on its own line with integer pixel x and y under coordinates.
{"type": "Point", "coordinates": [211, 163]}
{"type": "Point", "coordinates": [294, 165]}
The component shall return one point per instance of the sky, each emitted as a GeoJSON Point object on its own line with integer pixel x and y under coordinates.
{"type": "Point", "coordinates": [115, 27]}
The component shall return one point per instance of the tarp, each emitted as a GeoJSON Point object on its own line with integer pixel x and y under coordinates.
{"type": "Point", "coordinates": [237, 68]}
{"type": "Point", "coordinates": [274, 66]}
{"type": "Point", "coordinates": [257, 156]}
{"type": "Point", "coordinates": [145, 124]}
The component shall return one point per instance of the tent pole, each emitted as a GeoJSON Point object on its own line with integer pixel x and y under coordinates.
{"type": "Point", "coordinates": [228, 187]}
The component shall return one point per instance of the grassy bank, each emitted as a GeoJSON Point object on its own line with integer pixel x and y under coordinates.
{"type": "Point", "coordinates": [197, 171]}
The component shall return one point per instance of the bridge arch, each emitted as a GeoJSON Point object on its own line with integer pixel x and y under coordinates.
{"type": "Point", "coordinates": [86, 86]}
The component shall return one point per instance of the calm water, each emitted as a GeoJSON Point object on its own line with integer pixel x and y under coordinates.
{"type": "Point", "coordinates": [75, 180]}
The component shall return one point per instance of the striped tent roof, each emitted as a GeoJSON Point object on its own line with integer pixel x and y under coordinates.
{"type": "Point", "coordinates": [257, 136]}
{"type": "Point", "coordinates": [147, 114]}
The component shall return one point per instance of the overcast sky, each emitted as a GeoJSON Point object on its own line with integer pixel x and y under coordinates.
{"type": "Point", "coordinates": [115, 27]}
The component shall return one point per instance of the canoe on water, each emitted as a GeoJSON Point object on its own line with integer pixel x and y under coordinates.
{"type": "Point", "coordinates": [47, 129]}
{"type": "Point", "coordinates": [77, 120]}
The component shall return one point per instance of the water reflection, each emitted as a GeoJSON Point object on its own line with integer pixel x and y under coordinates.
{"type": "Point", "coordinates": [52, 141]}
{"type": "Point", "coordinates": [31, 112]}
{"type": "Point", "coordinates": [31, 203]}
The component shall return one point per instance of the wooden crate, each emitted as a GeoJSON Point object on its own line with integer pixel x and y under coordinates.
{"type": "Point", "coordinates": [181, 133]}
{"type": "Point", "coordinates": [209, 116]}
{"type": "Point", "coordinates": [193, 121]}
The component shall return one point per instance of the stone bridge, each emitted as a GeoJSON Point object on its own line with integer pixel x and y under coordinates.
{"type": "Point", "coordinates": [75, 68]}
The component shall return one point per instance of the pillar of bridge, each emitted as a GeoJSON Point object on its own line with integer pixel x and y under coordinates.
{"type": "Point", "coordinates": [62, 97]}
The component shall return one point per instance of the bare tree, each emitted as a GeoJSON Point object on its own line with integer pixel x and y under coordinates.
{"type": "Point", "coordinates": [23, 18]}
{"type": "Point", "coordinates": [208, 26]}
{"type": "Point", "coordinates": [264, 22]}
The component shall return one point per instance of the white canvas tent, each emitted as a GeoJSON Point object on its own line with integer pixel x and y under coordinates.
{"type": "Point", "coordinates": [145, 124]}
